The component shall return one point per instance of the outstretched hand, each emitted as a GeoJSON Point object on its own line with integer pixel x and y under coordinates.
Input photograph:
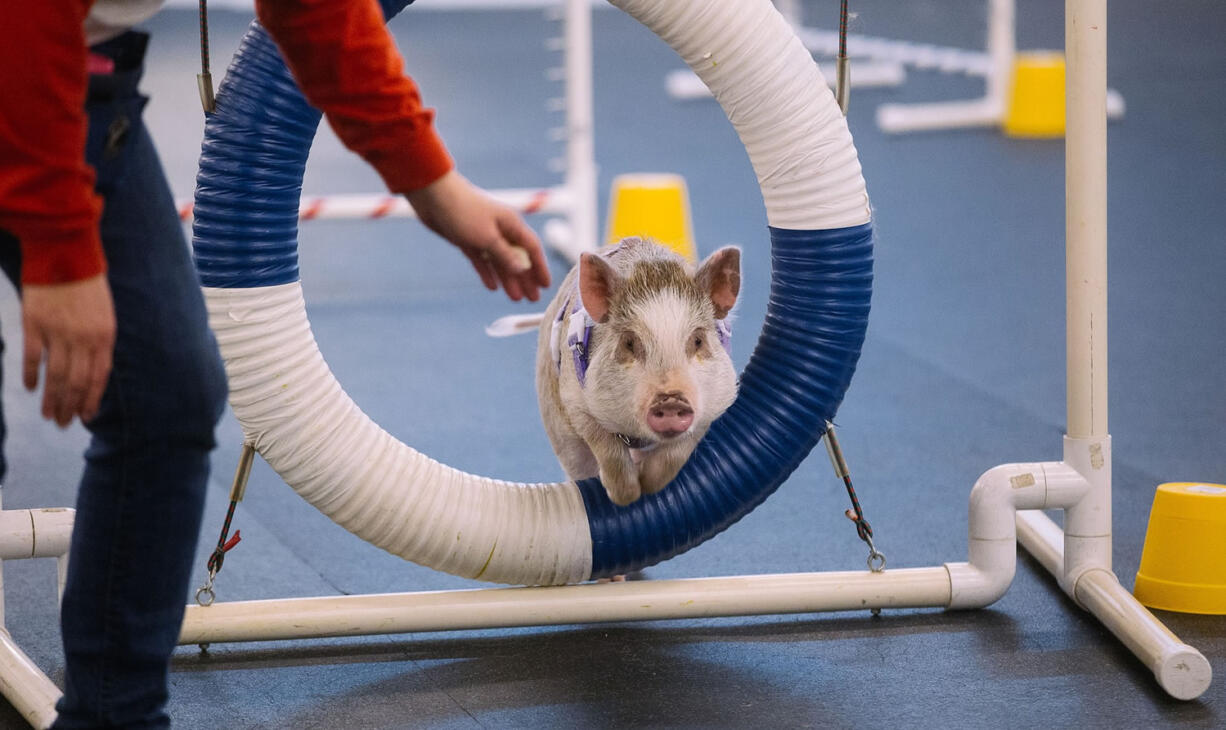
{"type": "Point", "coordinates": [500, 245]}
{"type": "Point", "coordinates": [70, 331]}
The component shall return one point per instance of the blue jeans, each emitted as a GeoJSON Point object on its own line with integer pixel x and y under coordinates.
{"type": "Point", "coordinates": [142, 492]}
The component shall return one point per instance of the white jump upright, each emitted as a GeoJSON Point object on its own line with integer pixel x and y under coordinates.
{"type": "Point", "coordinates": [578, 234]}
{"type": "Point", "coordinates": [1080, 555]}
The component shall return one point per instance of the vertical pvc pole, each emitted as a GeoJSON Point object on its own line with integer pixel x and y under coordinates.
{"type": "Point", "coordinates": [1085, 155]}
{"type": "Point", "coordinates": [1001, 49]}
{"type": "Point", "coordinates": [1087, 445]}
{"type": "Point", "coordinates": [580, 148]}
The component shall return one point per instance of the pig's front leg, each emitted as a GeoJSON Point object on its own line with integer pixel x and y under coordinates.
{"type": "Point", "coordinates": [660, 466]}
{"type": "Point", "coordinates": [618, 472]}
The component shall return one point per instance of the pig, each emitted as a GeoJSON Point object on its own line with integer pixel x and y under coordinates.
{"type": "Point", "coordinates": [633, 365]}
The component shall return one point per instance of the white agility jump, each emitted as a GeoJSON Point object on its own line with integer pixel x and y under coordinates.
{"type": "Point", "coordinates": [1005, 502]}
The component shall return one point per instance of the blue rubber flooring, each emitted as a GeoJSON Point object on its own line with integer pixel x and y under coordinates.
{"type": "Point", "coordinates": [963, 369]}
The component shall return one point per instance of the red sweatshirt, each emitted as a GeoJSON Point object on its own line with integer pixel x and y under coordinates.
{"type": "Point", "coordinates": [339, 51]}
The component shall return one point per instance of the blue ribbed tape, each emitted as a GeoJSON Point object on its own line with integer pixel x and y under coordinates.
{"type": "Point", "coordinates": [245, 227]}
{"type": "Point", "coordinates": [821, 284]}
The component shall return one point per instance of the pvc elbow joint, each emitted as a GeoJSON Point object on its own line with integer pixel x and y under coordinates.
{"type": "Point", "coordinates": [992, 537]}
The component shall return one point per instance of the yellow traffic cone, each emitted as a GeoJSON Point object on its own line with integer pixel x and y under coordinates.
{"type": "Point", "coordinates": [654, 205]}
{"type": "Point", "coordinates": [1036, 96]}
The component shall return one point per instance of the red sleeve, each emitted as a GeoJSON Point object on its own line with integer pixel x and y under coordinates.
{"type": "Point", "coordinates": [346, 62]}
{"type": "Point", "coordinates": [47, 195]}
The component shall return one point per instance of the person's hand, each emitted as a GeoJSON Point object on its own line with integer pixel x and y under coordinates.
{"type": "Point", "coordinates": [70, 331]}
{"type": "Point", "coordinates": [500, 245]}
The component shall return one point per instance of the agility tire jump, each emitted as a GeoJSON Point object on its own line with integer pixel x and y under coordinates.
{"type": "Point", "coordinates": [295, 413]}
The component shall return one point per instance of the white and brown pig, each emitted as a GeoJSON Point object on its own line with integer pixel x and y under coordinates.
{"type": "Point", "coordinates": [632, 363]}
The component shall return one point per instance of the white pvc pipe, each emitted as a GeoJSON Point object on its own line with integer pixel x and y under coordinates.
{"type": "Point", "coordinates": [25, 686]}
{"type": "Point", "coordinates": [1085, 157]}
{"type": "Point", "coordinates": [992, 532]}
{"type": "Point", "coordinates": [1001, 48]}
{"type": "Point", "coordinates": [580, 130]}
{"type": "Point", "coordinates": [1087, 524]}
{"type": "Point", "coordinates": [35, 533]}
{"type": "Point", "coordinates": [1042, 538]}
{"type": "Point", "coordinates": [1180, 669]}
{"type": "Point", "coordinates": [370, 206]}
{"type": "Point", "coordinates": [31, 533]}
{"type": "Point", "coordinates": [297, 618]}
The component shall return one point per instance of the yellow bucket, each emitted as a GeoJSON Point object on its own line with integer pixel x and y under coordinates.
{"type": "Point", "coordinates": [1036, 95]}
{"type": "Point", "coordinates": [1183, 563]}
{"type": "Point", "coordinates": [652, 205]}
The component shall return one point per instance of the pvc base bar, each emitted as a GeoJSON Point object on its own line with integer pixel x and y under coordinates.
{"type": "Point", "coordinates": [393, 613]}
{"type": "Point", "coordinates": [25, 685]}
{"type": "Point", "coordinates": [1180, 669]}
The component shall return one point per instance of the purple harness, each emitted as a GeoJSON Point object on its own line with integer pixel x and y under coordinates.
{"type": "Point", "coordinates": [579, 326]}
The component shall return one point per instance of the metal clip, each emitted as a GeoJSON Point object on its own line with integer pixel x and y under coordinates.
{"type": "Point", "coordinates": [836, 453]}
{"type": "Point", "coordinates": [842, 89]}
{"type": "Point", "coordinates": [205, 82]}
{"type": "Point", "coordinates": [205, 594]}
{"type": "Point", "coordinates": [876, 560]}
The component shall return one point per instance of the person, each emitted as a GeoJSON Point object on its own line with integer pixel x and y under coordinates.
{"type": "Point", "coordinates": [112, 315]}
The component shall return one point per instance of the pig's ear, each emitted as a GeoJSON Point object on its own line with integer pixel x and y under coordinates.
{"type": "Point", "coordinates": [720, 277]}
{"type": "Point", "coordinates": [597, 282]}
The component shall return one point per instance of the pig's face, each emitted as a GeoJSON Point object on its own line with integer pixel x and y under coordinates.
{"type": "Point", "coordinates": [658, 372]}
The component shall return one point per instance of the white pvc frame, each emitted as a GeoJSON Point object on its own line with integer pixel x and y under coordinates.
{"type": "Point", "coordinates": [1005, 503]}
{"type": "Point", "coordinates": [883, 62]}
{"type": "Point", "coordinates": [995, 65]}
{"type": "Point", "coordinates": [573, 200]}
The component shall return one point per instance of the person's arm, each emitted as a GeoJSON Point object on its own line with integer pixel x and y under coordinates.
{"type": "Point", "coordinates": [347, 65]}
{"type": "Point", "coordinates": [47, 195]}
{"type": "Point", "coordinates": [47, 202]}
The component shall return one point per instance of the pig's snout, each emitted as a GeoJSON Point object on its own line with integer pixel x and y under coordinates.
{"type": "Point", "coordinates": [670, 414]}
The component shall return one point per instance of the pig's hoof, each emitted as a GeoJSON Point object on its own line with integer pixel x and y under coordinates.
{"type": "Point", "coordinates": [623, 495]}
{"type": "Point", "coordinates": [622, 499]}
{"type": "Point", "coordinates": [657, 475]}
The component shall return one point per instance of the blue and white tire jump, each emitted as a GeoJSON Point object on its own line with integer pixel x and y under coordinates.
{"type": "Point", "coordinates": [297, 416]}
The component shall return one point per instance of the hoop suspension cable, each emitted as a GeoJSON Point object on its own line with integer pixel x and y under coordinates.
{"type": "Point", "coordinates": [204, 80]}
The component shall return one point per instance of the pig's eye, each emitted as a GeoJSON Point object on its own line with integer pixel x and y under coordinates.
{"type": "Point", "coordinates": [630, 345]}
{"type": "Point", "coordinates": [697, 341]}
